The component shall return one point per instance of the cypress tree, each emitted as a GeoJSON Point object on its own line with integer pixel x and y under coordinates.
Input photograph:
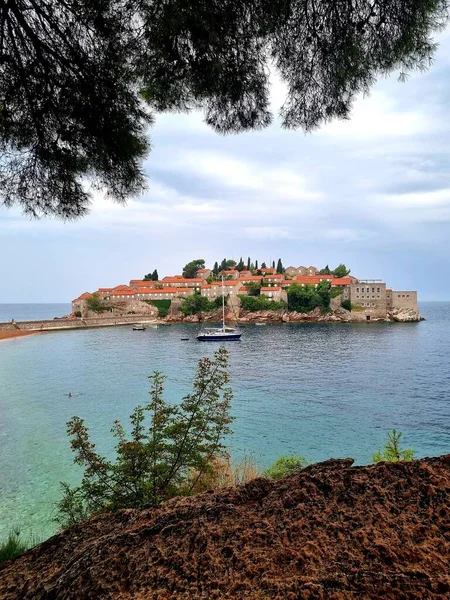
{"type": "Point", "coordinates": [248, 263]}
{"type": "Point", "coordinates": [280, 266]}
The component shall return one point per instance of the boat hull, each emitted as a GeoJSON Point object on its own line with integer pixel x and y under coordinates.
{"type": "Point", "coordinates": [228, 337]}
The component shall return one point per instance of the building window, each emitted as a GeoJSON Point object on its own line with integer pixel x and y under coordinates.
{"type": "Point", "coordinates": [407, 295]}
{"type": "Point", "coordinates": [378, 289]}
{"type": "Point", "coordinates": [373, 289]}
{"type": "Point", "coordinates": [357, 289]}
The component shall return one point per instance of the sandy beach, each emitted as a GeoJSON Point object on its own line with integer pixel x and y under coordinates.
{"type": "Point", "coordinates": [8, 334]}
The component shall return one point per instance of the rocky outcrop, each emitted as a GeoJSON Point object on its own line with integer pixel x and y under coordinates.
{"type": "Point", "coordinates": [404, 315]}
{"type": "Point", "coordinates": [330, 532]}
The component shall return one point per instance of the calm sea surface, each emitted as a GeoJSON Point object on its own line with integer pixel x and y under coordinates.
{"type": "Point", "coordinates": [322, 390]}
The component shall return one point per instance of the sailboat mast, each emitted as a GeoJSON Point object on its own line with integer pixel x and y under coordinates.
{"type": "Point", "coordinates": [223, 305]}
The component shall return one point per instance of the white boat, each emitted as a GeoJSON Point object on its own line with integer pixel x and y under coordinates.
{"type": "Point", "coordinates": [220, 334]}
{"type": "Point", "coordinates": [260, 324]}
{"type": "Point", "coordinates": [138, 327]}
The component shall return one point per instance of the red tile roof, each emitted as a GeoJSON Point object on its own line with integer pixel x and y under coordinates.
{"type": "Point", "coordinates": [250, 278]}
{"type": "Point", "coordinates": [232, 282]}
{"type": "Point", "coordinates": [275, 276]}
{"type": "Point", "coordinates": [342, 281]}
{"type": "Point", "coordinates": [275, 288]}
{"type": "Point", "coordinates": [83, 296]}
{"type": "Point", "coordinates": [268, 270]}
{"type": "Point", "coordinates": [179, 279]}
{"type": "Point", "coordinates": [203, 270]}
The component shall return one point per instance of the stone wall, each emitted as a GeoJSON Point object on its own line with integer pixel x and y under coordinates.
{"type": "Point", "coordinates": [403, 299]}
{"type": "Point", "coordinates": [56, 324]}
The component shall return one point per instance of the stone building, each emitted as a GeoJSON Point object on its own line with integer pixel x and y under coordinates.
{"type": "Point", "coordinates": [275, 293]}
{"type": "Point", "coordinates": [203, 273]}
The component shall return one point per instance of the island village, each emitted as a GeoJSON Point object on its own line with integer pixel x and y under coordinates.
{"type": "Point", "coordinates": [352, 299]}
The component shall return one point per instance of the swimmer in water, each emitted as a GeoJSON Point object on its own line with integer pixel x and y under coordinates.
{"type": "Point", "coordinates": [70, 394]}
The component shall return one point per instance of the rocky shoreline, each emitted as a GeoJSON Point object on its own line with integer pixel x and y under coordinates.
{"type": "Point", "coordinates": [339, 315]}
{"type": "Point", "coordinates": [331, 531]}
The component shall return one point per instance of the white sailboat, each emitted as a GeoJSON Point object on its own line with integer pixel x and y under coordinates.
{"type": "Point", "coordinates": [219, 334]}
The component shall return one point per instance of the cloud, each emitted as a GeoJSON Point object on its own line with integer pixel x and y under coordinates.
{"type": "Point", "coordinates": [359, 191]}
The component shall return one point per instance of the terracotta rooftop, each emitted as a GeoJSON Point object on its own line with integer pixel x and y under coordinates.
{"type": "Point", "coordinates": [275, 288]}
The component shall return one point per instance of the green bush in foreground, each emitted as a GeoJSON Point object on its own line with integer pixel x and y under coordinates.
{"type": "Point", "coordinates": [286, 465]}
{"type": "Point", "coordinates": [13, 547]}
{"type": "Point", "coordinates": [392, 451]}
{"type": "Point", "coordinates": [171, 448]}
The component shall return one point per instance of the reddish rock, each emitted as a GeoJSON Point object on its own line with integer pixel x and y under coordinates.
{"type": "Point", "coordinates": [331, 532]}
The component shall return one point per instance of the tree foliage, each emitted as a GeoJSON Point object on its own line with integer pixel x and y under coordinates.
{"type": "Point", "coordinates": [286, 465]}
{"type": "Point", "coordinates": [280, 268]}
{"type": "Point", "coordinates": [341, 271]}
{"type": "Point", "coordinates": [191, 268]}
{"type": "Point", "coordinates": [325, 271]}
{"type": "Point", "coordinates": [196, 303]}
{"type": "Point", "coordinates": [257, 303]}
{"type": "Point", "coordinates": [169, 449]}
{"type": "Point", "coordinates": [240, 266]}
{"type": "Point", "coordinates": [73, 74]}
{"type": "Point", "coordinates": [392, 451]}
{"type": "Point", "coordinates": [151, 276]}
{"type": "Point", "coordinates": [95, 303]}
{"type": "Point", "coordinates": [304, 298]}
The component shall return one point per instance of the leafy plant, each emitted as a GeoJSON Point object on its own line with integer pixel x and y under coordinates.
{"type": "Point", "coordinates": [197, 303]}
{"type": "Point", "coordinates": [163, 307]}
{"type": "Point", "coordinates": [167, 445]}
{"type": "Point", "coordinates": [257, 303]}
{"type": "Point", "coordinates": [14, 546]}
{"type": "Point", "coordinates": [392, 451]}
{"type": "Point", "coordinates": [95, 303]}
{"type": "Point", "coordinates": [286, 465]}
{"type": "Point", "coordinates": [191, 268]}
{"type": "Point", "coordinates": [341, 271]}
{"type": "Point", "coordinates": [346, 304]}
{"type": "Point", "coordinates": [77, 313]}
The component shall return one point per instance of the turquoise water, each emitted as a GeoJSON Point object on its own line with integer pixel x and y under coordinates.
{"type": "Point", "coordinates": [321, 390]}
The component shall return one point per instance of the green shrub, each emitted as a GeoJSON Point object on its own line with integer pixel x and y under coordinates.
{"type": "Point", "coordinates": [196, 303]}
{"type": "Point", "coordinates": [346, 304]}
{"type": "Point", "coordinates": [96, 304]}
{"type": "Point", "coordinates": [12, 547]}
{"type": "Point", "coordinates": [392, 451]}
{"type": "Point", "coordinates": [77, 313]}
{"type": "Point", "coordinates": [257, 303]}
{"type": "Point", "coordinates": [163, 306]}
{"type": "Point", "coordinates": [170, 449]}
{"type": "Point", "coordinates": [286, 465]}
{"type": "Point", "coordinates": [304, 298]}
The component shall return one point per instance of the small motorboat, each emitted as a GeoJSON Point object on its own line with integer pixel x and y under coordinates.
{"type": "Point", "coordinates": [260, 324]}
{"type": "Point", "coordinates": [138, 327]}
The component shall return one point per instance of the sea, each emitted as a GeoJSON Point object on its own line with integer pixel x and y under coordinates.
{"type": "Point", "coordinates": [320, 390]}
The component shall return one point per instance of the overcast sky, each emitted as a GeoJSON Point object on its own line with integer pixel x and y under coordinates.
{"type": "Point", "coordinates": [372, 192]}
